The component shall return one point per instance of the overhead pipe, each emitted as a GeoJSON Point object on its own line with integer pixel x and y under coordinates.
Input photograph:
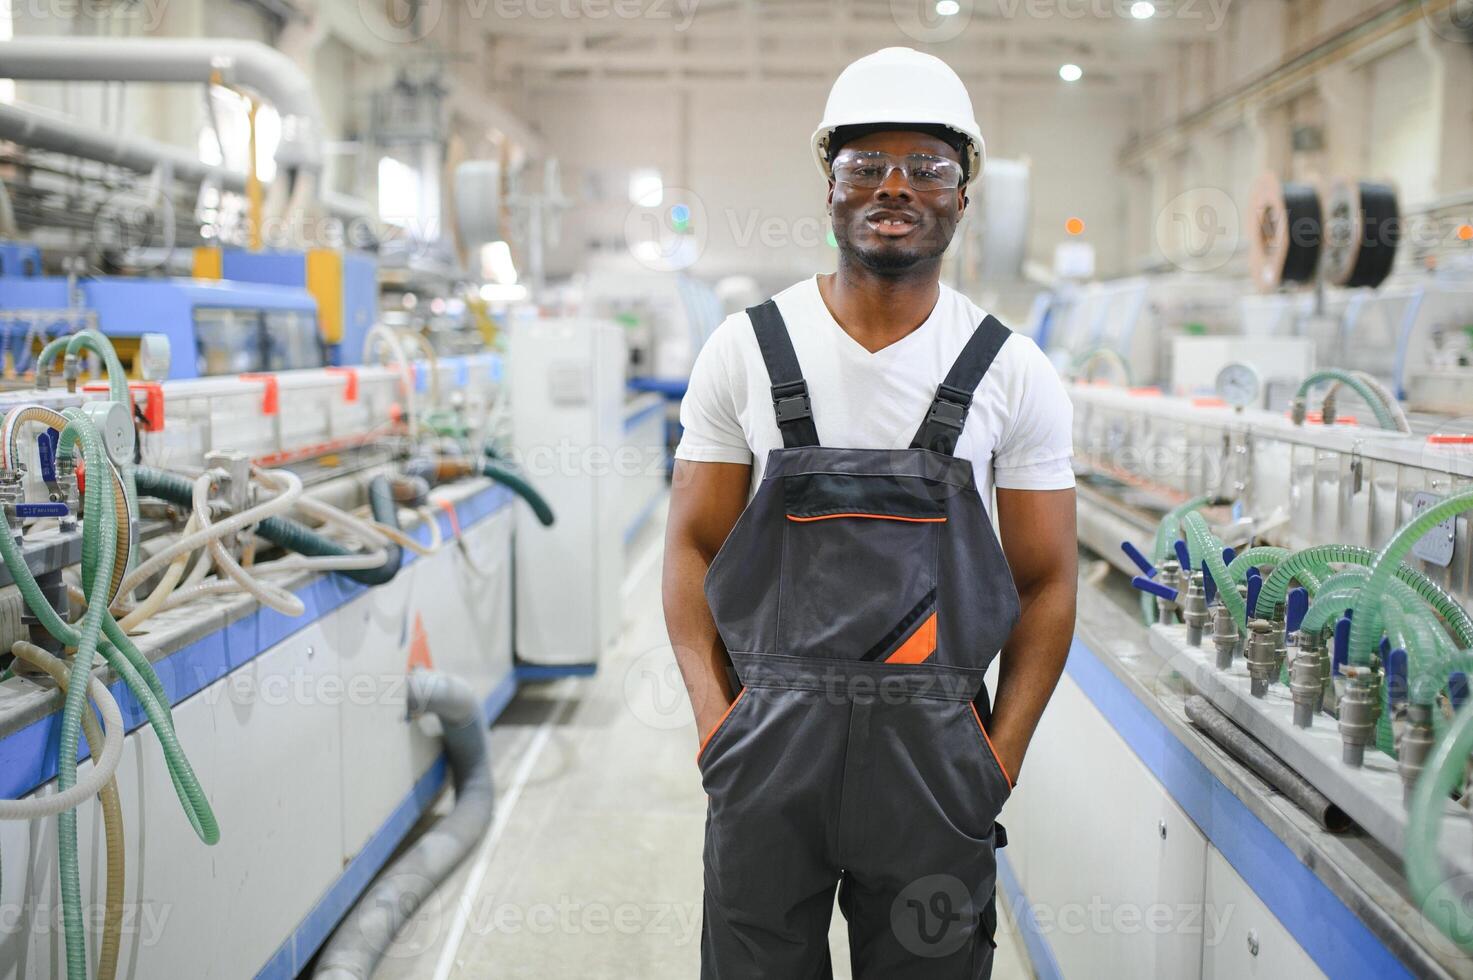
{"type": "Point", "coordinates": [247, 64]}
{"type": "Point", "coordinates": [58, 134]}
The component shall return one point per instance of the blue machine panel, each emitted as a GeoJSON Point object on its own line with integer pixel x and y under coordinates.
{"type": "Point", "coordinates": [131, 307]}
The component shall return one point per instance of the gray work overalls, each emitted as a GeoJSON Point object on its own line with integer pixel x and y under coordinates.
{"type": "Point", "coordinates": [861, 596]}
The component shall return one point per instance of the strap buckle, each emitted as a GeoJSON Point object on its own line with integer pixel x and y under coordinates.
{"type": "Point", "coordinates": [950, 407]}
{"type": "Point", "coordinates": [790, 401]}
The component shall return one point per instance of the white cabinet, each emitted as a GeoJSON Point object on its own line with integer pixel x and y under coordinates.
{"type": "Point", "coordinates": [1242, 938]}
{"type": "Point", "coordinates": [567, 398]}
{"type": "Point", "coordinates": [1112, 867]}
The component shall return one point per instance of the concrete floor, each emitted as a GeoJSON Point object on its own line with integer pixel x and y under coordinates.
{"type": "Point", "coordinates": [593, 869]}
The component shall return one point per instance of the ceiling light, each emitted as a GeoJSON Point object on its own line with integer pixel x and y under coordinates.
{"type": "Point", "coordinates": [1143, 10]}
{"type": "Point", "coordinates": [948, 8]}
{"type": "Point", "coordinates": [1071, 73]}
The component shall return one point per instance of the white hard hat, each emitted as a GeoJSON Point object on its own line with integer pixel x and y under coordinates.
{"type": "Point", "coordinates": [900, 85]}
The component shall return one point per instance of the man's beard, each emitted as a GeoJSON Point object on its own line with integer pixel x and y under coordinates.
{"type": "Point", "coordinates": [890, 260]}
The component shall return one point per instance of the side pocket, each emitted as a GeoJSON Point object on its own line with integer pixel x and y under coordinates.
{"type": "Point", "coordinates": [720, 724]}
{"type": "Point", "coordinates": [1007, 780]}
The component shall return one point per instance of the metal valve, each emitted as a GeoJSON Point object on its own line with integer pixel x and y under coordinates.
{"type": "Point", "coordinates": [1307, 678]}
{"type": "Point", "coordinates": [1224, 635]}
{"type": "Point", "coordinates": [1261, 655]}
{"type": "Point", "coordinates": [1358, 710]}
{"type": "Point", "coordinates": [1194, 609]}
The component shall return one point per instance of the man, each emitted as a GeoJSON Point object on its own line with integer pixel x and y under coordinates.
{"type": "Point", "coordinates": [833, 588]}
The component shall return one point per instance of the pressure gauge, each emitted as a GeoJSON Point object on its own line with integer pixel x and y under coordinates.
{"type": "Point", "coordinates": [1239, 384]}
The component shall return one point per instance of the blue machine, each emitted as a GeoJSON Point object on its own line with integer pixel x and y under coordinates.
{"type": "Point", "coordinates": [344, 283]}
{"type": "Point", "coordinates": [19, 259]}
{"type": "Point", "coordinates": [213, 327]}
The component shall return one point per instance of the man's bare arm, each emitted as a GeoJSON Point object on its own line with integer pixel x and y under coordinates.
{"type": "Point", "coordinates": [1039, 540]}
{"type": "Point", "coordinates": [705, 501]}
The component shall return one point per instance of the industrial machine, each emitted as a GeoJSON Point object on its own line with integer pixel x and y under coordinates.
{"type": "Point", "coordinates": [1130, 322]}
{"type": "Point", "coordinates": [1302, 573]}
{"type": "Point", "coordinates": [204, 543]}
{"type": "Point", "coordinates": [212, 328]}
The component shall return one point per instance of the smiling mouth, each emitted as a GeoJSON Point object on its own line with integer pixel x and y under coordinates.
{"type": "Point", "coordinates": [891, 225]}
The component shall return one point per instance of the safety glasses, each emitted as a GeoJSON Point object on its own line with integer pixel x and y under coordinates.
{"type": "Point", "coordinates": [871, 168]}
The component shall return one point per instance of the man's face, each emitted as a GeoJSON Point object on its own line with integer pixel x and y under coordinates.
{"type": "Point", "coordinates": [893, 227]}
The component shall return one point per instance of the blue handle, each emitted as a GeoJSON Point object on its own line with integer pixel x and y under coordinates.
{"type": "Point", "coordinates": [1396, 676]}
{"type": "Point", "coordinates": [1154, 587]}
{"type": "Point", "coordinates": [1134, 554]}
{"type": "Point", "coordinates": [1298, 606]}
{"type": "Point", "coordinates": [1183, 555]}
{"type": "Point", "coordinates": [41, 510]}
{"type": "Point", "coordinates": [1255, 585]}
{"type": "Point", "coordinates": [1209, 584]}
{"type": "Point", "coordinates": [1342, 642]}
{"type": "Point", "coordinates": [1228, 555]}
{"type": "Point", "coordinates": [1457, 688]}
{"type": "Point", "coordinates": [47, 449]}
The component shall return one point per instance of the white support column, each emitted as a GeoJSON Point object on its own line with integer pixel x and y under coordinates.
{"type": "Point", "coordinates": [1451, 64]}
{"type": "Point", "coordinates": [1342, 91]}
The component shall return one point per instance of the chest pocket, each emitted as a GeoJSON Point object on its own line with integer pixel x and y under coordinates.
{"type": "Point", "coordinates": [859, 566]}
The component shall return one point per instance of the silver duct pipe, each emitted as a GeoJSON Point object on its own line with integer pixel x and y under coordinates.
{"type": "Point", "coordinates": [364, 936]}
{"type": "Point", "coordinates": [249, 64]}
{"type": "Point", "coordinates": [7, 214]}
{"type": "Point", "coordinates": [58, 134]}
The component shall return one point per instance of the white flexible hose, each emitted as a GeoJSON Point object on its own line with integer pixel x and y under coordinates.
{"type": "Point", "coordinates": [273, 596]}
{"type": "Point", "coordinates": [432, 519]}
{"type": "Point", "coordinates": [366, 531]}
{"type": "Point", "coordinates": [213, 531]}
{"type": "Point", "coordinates": [161, 591]}
{"type": "Point", "coordinates": [404, 540]}
{"type": "Point", "coordinates": [200, 531]}
{"type": "Point", "coordinates": [1384, 393]}
{"type": "Point", "coordinates": [382, 334]}
{"type": "Point", "coordinates": [95, 779]}
{"type": "Point", "coordinates": [292, 563]}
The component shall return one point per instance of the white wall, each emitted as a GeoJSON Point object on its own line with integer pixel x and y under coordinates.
{"type": "Point", "coordinates": [1394, 110]}
{"type": "Point", "coordinates": [744, 153]}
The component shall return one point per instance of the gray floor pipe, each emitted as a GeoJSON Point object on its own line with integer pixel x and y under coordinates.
{"type": "Point", "coordinates": [362, 939]}
{"type": "Point", "coordinates": [1265, 764]}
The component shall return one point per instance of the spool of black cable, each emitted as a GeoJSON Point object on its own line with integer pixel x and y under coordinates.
{"type": "Point", "coordinates": [1286, 230]}
{"type": "Point", "coordinates": [1362, 231]}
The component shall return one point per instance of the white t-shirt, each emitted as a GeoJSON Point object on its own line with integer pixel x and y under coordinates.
{"type": "Point", "coordinates": [1020, 422]}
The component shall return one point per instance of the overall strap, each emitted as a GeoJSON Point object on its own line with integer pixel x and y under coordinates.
{"type": "Point", "coordinates": [948, 413]}
{"type": "Point", "coordinates": [789, 390]}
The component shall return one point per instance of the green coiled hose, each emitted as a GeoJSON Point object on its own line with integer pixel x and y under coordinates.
{"type": "Point", "coordinates": [1253, 558]}
{"type": "Point", "coordinates": [1441, 774]}
{"type": "Point", "coordinates": [98, 551]}
{"type": "Point", "coordinates": [117, 378]}
{"type": "Point", "coordinates": [1203, 547]}
{"type": "Point", "coordinates": [1384, 418]}
{"type": "Point", "coordinates": [1276, 585]}
{"type": "Point", "coordinates": [1166, 530]}
{"type": "Point", "coordinates": [100, 534]}
{"type": "Point", "coordinates": [1365, 623]}
{"type": "Point", "coordinates": [518, 485]}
